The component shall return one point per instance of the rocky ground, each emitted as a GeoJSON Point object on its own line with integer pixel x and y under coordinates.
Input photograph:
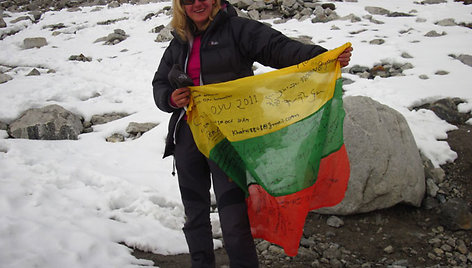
{"type": "Point", "coordinates": [401, 236]}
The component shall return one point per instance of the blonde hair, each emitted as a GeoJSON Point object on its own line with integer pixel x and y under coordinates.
{"type": "Point", "coordinates": [182, 24]}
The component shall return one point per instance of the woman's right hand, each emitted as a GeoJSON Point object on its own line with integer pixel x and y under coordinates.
{"type": "Point", "coordinates": [180, 97]}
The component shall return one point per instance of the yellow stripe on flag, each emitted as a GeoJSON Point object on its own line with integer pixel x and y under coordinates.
{"type": "Point", "coordinates": [257, 105]}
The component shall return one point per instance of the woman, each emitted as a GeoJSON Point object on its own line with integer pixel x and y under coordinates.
{"type": "Point", "coordinates": [214, 45]}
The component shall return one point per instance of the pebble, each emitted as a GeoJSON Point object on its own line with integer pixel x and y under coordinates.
{"type": "Point", "coordinates": [335, 222]}
{"type": "Point", "coordinates": [389, 249]}
{"type": "Point", "coordinates": [462, 248]}
{"type": "Point", "coordinates": [441, 72]}
{"type": "Point", "coordinates": [438, 251]}
{"type": "Point", "coordinates": [115, 138]}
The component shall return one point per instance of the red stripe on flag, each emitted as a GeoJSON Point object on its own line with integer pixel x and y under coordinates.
{"type": "Point", "coordinates": [280, 220]}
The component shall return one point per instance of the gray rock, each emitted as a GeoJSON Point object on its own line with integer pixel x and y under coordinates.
{"type": "Point", "coordinates": [101, 39]}
{"type": "Point", "coordinates": [389, 249]}
{"type": "Point", "coordinates": [347, 81]}
{"type": "Point", "coordinates": [253, 14]}
{"type": "Point", "coordinates": [378, 41]}
{"type": "Point", "coordinates": [116, 37]}
{"type": "Point", "coordinates": [335, 263]}
{"type": "Point", "coordinates": [405, 66]}
{"type": "Point", "coordinates": [36, 15]}
{"type": "Point", "coordinates": [441, 72]}
{"type": "Point", "coordinates": [358, 69]}
{"type": "Point", "coordinates": [406, 31]}
{"type": "Point", "coordinates": [324, 15]}
{"type": "Point", "coordinates": [105, 118]}
{"type": "Point", "coordinates": [455, 215]}
{"type": "Point", "coordinates": [34, 42]}
{"type": "Point", "coordinates": [139, 128]}
{"type": "Point", "coordinates": [371, 19]}
{"type": "Point", "coordinates": [400, 264]}
{"type": "Point", "coordinates": [108, 22]}
{"type": "Point", "coordinates": [80, 57]}
{"type": "Point", "coordinates": [431, 188]}
{"type": "Point", "coordinates": [446, 109]}
{"type": "Point", "coordinates": [432, 2]}
{"type": "Point", "coordinates": [436, 174]}
{"type": "Point", "coordinates": [306, 253]}
{"type": "Point", "coordinates": [276, 250]}
{"type": "Point", "coordinates": [5, 78]}
{"type": "Point", "coordinates": [21, 18]}
{"type": "Point", "coordinates": [377, 10]}
{"type": "Point", "coordinates": [114, 4]}
{"type": "Point", "coordinates": [399, 14]}
{"type": "Point", "coordinates": [332, 252]}
{"type": "Point", "coordinates": [461, 247]}
{"type": "Point", "coordinates": [304, 39]}
{"type": "Point", "coordinates": [433, 33]}
{"type": "Point", "coordinates": [306, 12]}
{"type": "Point", "coordinates": [262, 246]}
{"type": "Point", "coordinates": [351, 17]}
{"type": "Point", "coordinates": [74, 9]}
{"type": "Point", "coordinates": [149, 16]}
{"type": "Point", "coordinates": [3, 126]}
{"type": "Point", "coordinates": [241, 4]}
{"type": "Point", "coordinates": [446, 22]}
{"type": "Point", "coordinates": [307, 242]}
{"type": "Point", "coordinates": [328, 5]}
{"type": "Point", "coordinates": [466, 59]}
{"type": "Point", "coordinates": [258, 6]}
{"type": "Point", "coordinates": [311, 5]}
{"type": "Point", "coordinates": [335, 222]}
{"type": "Point", "coordinates": [386, 167]}
{"type": "Point", "coordinates": [289, 3]}
{"type": "Point", "coordinates": [164, 35]}
{"type": "Point", "coordinates": [157, 29]}
{"type": "Point", "coordinates": [34, 72]}
{"type": "Point", "coordinates": [430, 203]}
{"type": "Point", "coordinates": [116, 138]}
{"type": "Point", "coordinates": [3, 24]}
{"type": "Point", "coordinates": [52, 122]}
{"type": "Point", "coordinates": [54, 27]}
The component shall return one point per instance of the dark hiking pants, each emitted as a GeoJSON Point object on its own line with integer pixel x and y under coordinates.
{"type": "Point", "coordinates": [194, 170]}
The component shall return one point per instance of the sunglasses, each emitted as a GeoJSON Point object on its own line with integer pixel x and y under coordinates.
{"type": "Point", "coordinates": [190, 2]}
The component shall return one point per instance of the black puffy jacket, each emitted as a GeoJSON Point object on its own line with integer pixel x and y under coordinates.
{"type": "Point", "coordinates": [229, 47]}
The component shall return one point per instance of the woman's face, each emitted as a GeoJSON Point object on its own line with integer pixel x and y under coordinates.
{"type": "Point", "coordinates": [199, 12]}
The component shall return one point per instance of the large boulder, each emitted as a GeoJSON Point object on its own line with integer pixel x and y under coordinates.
{"type": "Point", "coordinates": [52, 122]}
{"type": "Point", "coordinates": [386, 166]}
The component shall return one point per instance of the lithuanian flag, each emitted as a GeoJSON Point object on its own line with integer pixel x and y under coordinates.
{"type": "Point", "coordinates": [279, 136]}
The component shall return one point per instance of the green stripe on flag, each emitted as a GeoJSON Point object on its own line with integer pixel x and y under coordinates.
{"type": "Point", "coordinates": [287, 160]}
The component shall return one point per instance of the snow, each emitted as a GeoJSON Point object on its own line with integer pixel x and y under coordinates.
{"type": "Point", "coordinates": [75, 203]}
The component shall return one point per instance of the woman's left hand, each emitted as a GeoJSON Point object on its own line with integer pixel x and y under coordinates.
{"type": "Point", "coordinates": [345, 57]}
